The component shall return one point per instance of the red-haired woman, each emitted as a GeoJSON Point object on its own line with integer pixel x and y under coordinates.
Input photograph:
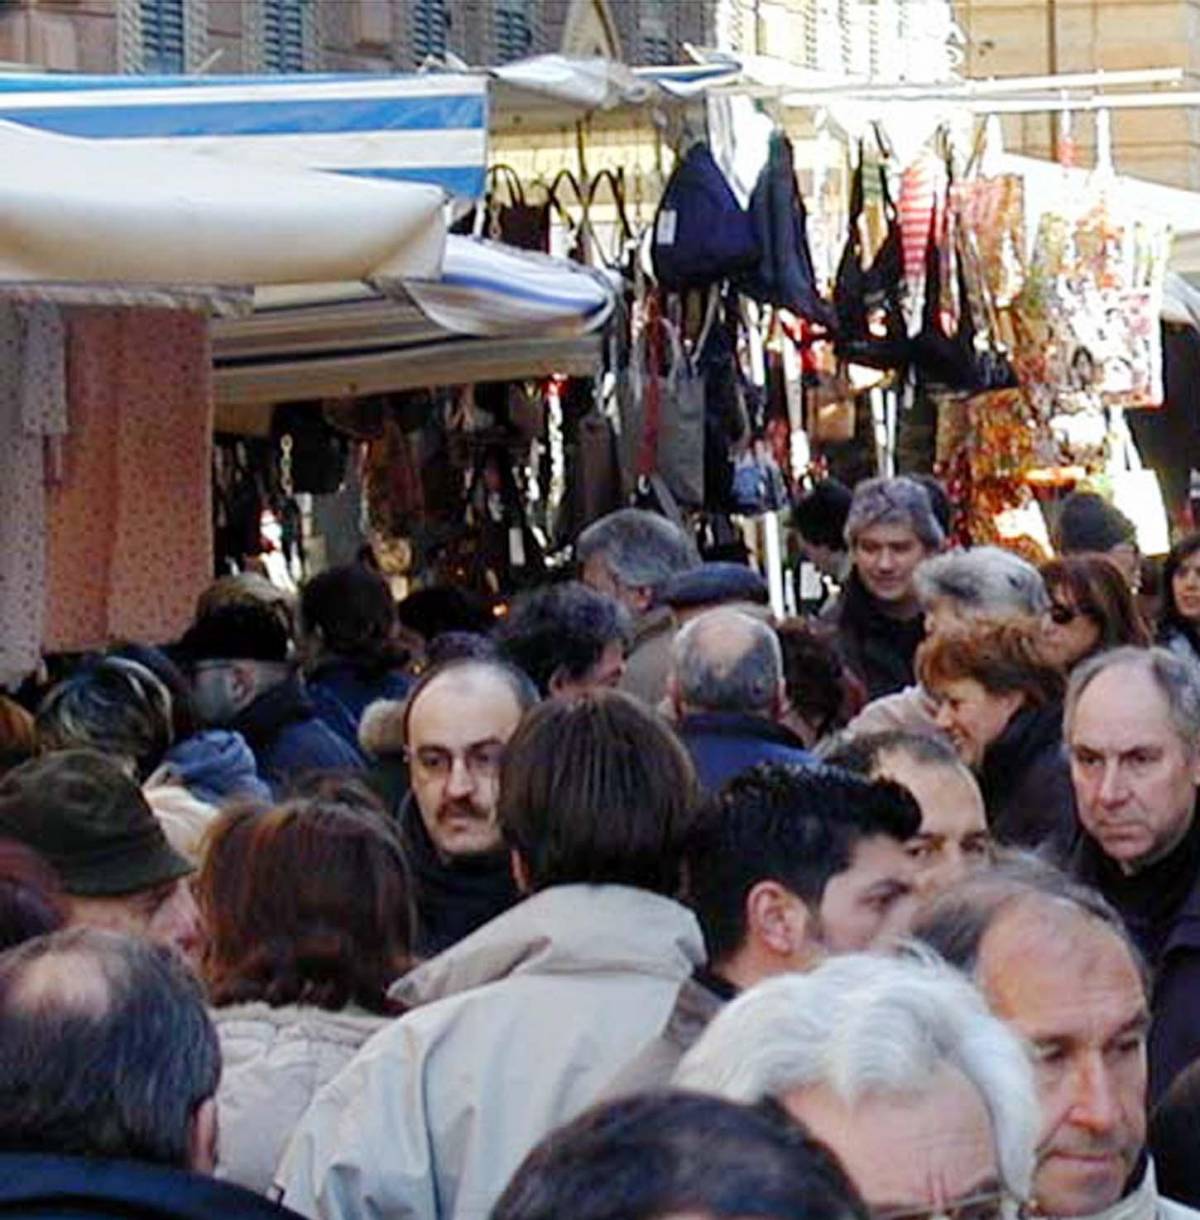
{"type": "Point", "coordinates": [309, 913]}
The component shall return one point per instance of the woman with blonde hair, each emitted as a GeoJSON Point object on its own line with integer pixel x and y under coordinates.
{"type": "Point", "coordinates": [999, 700]}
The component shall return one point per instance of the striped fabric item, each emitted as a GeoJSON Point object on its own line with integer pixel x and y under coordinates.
{"type": "Point", "coordinates": [429, 128]}
{"type": "Point", "coordinates": [491, 289]}
{"type": "Point", "coordinates": [923, 181]}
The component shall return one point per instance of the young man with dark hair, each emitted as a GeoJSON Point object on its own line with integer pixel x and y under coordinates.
{"type": "Point", "coordinates": [795, 863]}
{"type": "Point", "coordinates": [694, 1156]}
{"type": "Point", "coordinates": [521, 1026]}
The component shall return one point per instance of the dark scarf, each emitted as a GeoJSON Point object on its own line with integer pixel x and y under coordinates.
{"type": "Point", "coordinates": [882, 647]}
{"type": "Point", "coordinates": [1150, 900]}
{"type": "Point", "coordinates": [454, 897]}
{"type": "Point", "coordinates": [1024, 752]}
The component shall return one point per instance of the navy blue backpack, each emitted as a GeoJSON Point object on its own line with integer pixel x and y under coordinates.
{"type": "Point", "coordinates": [701, 234]}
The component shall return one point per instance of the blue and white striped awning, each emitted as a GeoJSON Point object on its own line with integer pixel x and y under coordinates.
{"type": "Point", "coordinates": [429, 128]}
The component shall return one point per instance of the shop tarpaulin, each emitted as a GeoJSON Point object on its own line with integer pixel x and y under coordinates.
{"type": "Point", "coordinates": [85, 210]}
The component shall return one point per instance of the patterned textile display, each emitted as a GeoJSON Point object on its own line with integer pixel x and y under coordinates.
{"type": "Point", "coordinates": [129, 537]}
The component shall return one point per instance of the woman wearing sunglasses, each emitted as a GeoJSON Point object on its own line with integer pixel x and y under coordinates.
{"type": "Point", "coordinates": [999, 700]}
{"type": "Point", "coordinates": [1179, 625]}
{"type": "Point", "coordinates": [1091, 609]}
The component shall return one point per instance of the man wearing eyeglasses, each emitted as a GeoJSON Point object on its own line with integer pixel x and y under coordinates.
{"type": "Point", "coordinates": [1056, 964]}
{"type": "Point", "coordinates": [455, 725]}
{"type": "Point", "coordinates": [896, 1065]}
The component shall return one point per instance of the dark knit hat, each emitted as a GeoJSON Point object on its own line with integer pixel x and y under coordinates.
{"type": "Point", "coordinates": [820, 516]}
{"type": "Point", "coordinates": [235, 633]}
{"type": "Point", "coordinates": [90, 821]}
{"type": "Point", "coordinates": [1088, 522]}
{"type": "Point", "coordinates": [711, 584]}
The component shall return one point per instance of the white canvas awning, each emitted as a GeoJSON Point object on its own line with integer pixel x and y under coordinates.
{"type": "Point", "coordinates": [75, 210]}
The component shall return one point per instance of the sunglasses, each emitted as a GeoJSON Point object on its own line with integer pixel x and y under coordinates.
{"type": "Point", "coordinates": [1064, 616]}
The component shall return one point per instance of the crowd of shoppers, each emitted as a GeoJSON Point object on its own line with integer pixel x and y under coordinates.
{"type": "Point", "coordinates": [630, 901]}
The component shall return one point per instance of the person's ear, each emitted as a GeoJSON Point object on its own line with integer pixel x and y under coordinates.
{"type": "Point", "coordinates": [776, 919]}
{"type": "Point", "coordinates": [560, 682]}
{"type": "Point", "coordinates": [202, 1137]}
{"type": "Point", "coordinates": [243, 683]}
{"type": "Point", "coordinates": [641, 596]}
{"type": "Point", "coordinates": [673, 694]}
{"type": "Point", "coordinates": [520, 872]}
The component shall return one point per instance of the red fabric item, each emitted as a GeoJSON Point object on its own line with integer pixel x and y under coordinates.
{"type": "Point", "coordinates": [922, 184]}
{"type": "Point", "coordinates": [129, 529]}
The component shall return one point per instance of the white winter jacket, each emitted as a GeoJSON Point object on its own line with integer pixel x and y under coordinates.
{"type": "Point", "coordinates": [521, 1027]}
{"type": "Point", "coordinates": [274, 1061]}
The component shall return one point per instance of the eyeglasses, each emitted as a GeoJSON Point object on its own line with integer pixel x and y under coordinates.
{"type": "Point", "coordinates": [996, 1206]}
{"type": "Point", "coordinates": [482, 760]}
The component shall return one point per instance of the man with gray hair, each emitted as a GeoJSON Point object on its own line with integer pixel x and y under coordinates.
{"type": "Point", "coordinates": [726, 689]}
{"type": "Point", "coordinates": [897, 1066]}
{"type": "Point", "coordinates": [951, 587]}
{"type": "Point", "coordinates": [890, 529]}
{"type": "Point", "coordinates": [629, 555]}
{"type": "Point", "coordinates": [109, 1066]}
{"type": "Point", "coordinates": [1131, 724]}
{"type": "Point", "coordinates": [1055, 963]}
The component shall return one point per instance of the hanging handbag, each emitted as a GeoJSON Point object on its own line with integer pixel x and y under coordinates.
{"type": "Point", "coordinates": [701, 234]}
{"type": "Point", "coordinates": [956, 361]}
{"type": "Point", "coordinates": [869, 301]}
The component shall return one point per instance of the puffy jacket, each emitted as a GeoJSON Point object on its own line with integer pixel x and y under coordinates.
{"type": "Point", "coordinates": [1145, 1203]}
{"type": "Point", "coordinates": [79, 1188]}
{"type": "Point", "coordinates": [341, 689]}
{"type": "Point", "coordinates": [274, 1061]}
{"type": "Point", "coordinates": [215, 766]}
{"type": "Point", "coordinates": [289, 740]}
{"type": "Point", "coordinates": [520, 1027]}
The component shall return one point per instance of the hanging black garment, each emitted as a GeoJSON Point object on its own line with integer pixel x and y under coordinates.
{"type": "Point", "coordinates": [956, 362]}
{"type": "Point", "coordinates": [784, 275]}
{"type": "Point", "coordinates": [861, 295]}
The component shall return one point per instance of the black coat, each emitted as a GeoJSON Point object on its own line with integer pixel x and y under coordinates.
{"type": "Point", "coordinates": [80, 1188]}
{"type": "Point", "coordinates": [1026, 783]}
{"type": "Point", "coordinates": [876, 647]}
{"type": "Point", "coordinates": [1160, 906]}
{"type": "Point", "coordinates": [454, 897]}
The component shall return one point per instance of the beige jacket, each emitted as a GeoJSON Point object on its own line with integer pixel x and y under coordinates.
{"type": "Point", "coordinates": [521, 1026]}
{"type": "Point", "coordinates": [274, 1061]}
{"type": "Point", "coordinates": [649, 661]}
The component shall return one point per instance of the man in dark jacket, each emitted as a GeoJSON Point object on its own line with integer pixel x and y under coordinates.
{"type": "Point", "coordinates": [108, 1073]}
{"type": "Point", "coordinates": [1132, 727]}
{"type": "Point", "coordinates": [890, 529]}
{"type": "Point", "coordinates": [726, 686]}
{"type": "Point", "coordinates": [244, 680]}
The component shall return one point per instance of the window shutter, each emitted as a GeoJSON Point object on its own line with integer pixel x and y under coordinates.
{"type": "Point", "coordinates": [514, 30]}
{"type": "Point", "coordinates": [164, 41]}
{"type": "Point", "coordinates": [430, 28]}
{"type": "Point", "coordinates": [285, 35]}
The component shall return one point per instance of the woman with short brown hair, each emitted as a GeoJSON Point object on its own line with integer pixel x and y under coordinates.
{"type": "Point", "coordinates": [310, 919]}
{"type": "Point", "coordinates": [999, 700]}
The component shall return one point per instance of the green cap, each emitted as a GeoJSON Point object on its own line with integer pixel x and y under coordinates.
{"type": "Point", "coordinates": [86, 817]}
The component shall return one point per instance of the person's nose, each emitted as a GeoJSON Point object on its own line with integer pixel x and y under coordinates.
{"type": "Point", "coordinates": [460, 782]}
{"type": "Point", "coordinates": [951, 866]}
{"type": "Point", "coordinates": [1094, 1102]}
{"type": "Point", "coordinates": [943, 717]}
{"type": "Point", "coordinates": [1112, 783]}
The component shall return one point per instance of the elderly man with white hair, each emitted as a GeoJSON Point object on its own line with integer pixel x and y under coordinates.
{"type": "Point", "coordinates": [896, 1064]}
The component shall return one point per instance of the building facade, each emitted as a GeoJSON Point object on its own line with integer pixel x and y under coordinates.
{"type": "Point", "coordinates": [1035, 37]}
{"type": "Point", "coordinates": [861, 37]}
